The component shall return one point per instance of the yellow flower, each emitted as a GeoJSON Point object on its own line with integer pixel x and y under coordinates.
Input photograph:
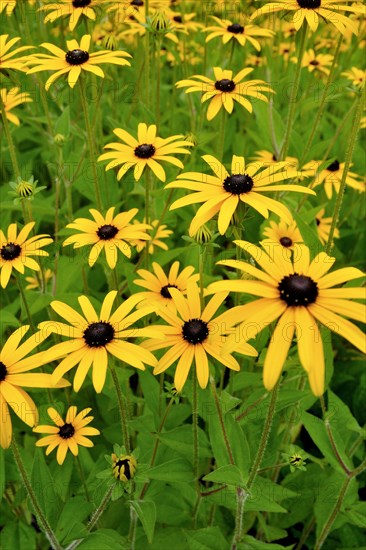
{"type": "Point", "coordinates": [313, 10]}
{"type": "Point", "coordinates": [12, 98]}
{"type": "Point", "coordinates": [356, 76]}
{"type": "Point", "coordinates": [109, 232]}
{"type": "Point", "coordinates": [299, 293]}
{"type": "Point", "coordinates": [146, 150]}
{"type": "Point", "coordinates": [15, 251]}
{"type": "Point", "coordinates": [33, 282]}
{"type": "Point", "coordinates": [14, 375]}
{"type": "Point", "coordinates": [223, 192]}
{"type": "Point", "coordinates": [6, 61]}
{"type": "Point", "coordinates": [229, 30]}
{"type": "Point", "coordinates": [193, 334]}
{"type": "Point", "coordinates": [124, 467]}
{"type": "Point", "coordinates": [158, 285]}
{"type": "Point", "coordinates": [8, 6]}
{"type": "Point", "coordinates": [331, 177]}
{"type": "Point", "coordinates": [323, 227]}
{"type": "Point", "coordinates": [226, 89]}
{"type": "Point", "coordinates": [93, 337]}
{"type": "Point", "coordinates": [75, 60]}
{"type": "Point", "coordinates": [68, 434]}
{"type": "Point", "coordinates": [75, 9]}
{"type": "Point", "coordinates": [287, 235]}
{"type": "Point", "coordinates": [315, 61]}
{"type": "Point", "coordinates": [155, 238]}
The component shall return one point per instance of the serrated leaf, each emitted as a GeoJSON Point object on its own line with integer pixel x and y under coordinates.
{"type": "Point", "coordinates": [228, 475]}
{"type": "Point", "coordinates": [146, 512]}
{"type": "Point", "coordinates": [173, 471]}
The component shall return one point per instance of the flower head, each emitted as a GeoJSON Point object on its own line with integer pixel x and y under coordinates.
{"type": "Point", "coordinates": [226, 89]}
{"type": "Point", "coordinates": [286, 235]}
{"type": "Point", "coordinates": [313, 10]}
{"type": "Point", "coordinates": [323, 227]}
{"type": "Point", "coordinates": [14, 375]}
{"type": "Point", "coordinates": [6, 58]}
{"type": "Point", "coordinates": [124, 467]}
{"type": "Point", "coordinates": [15, 250]}
{"type": "Point", "coordinates": [109, 232]}
{"type": "Point", "coordinates": [12, 98]}
{"type": "Point", "coordinates": [356, 76]}
{"type": "Point", "coordinates": [157, 232]}
{"type": "Point", "coordinates": [147, 150]}
{"type": "Point", "coordinates": [193, 334]}
{"type": "Point", "coordinates": [66, 434]}
{"type": "Point", "coordinates": [93, 337]}
{"type": "Point", "coordinates": [315, 62]}
{"type": "Point", "coordinates": [299, 293]}
{"type": "Point", "coordinates": [223, 192]}
{"type": "Point", "coordinates": [76, 59]}
{"type": "Point", "coordinates": [75, 9]}
{"type": "Point", "coordinates": [331, 177]}
{"type": "Point", "coordinates": [234, 30]}
{"type": "Point", "coordinates": [158, 284]}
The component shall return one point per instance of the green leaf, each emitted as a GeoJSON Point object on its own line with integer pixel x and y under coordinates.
{"type": "Point", "coordinates": [44, 487]}
{"type": "Point", "coordinates": [62, 125]}
{"type": "Point", "coordinates": [250, 543]}
{"type": "Point", "coordinates": [317, 431]}
{"type": "Point", "coordinates": [70, 524]}
{"type": "Point", "coordinates": [146, 512]}
{"type": "Point", "coordinates": [181, 440]}
{"type": "Point", "coordinates": [17, 535]}
{"type": "Point", "coordinates": [357, 515]}
{"type": "Point", "coordinates": [228, 475]}
{"type": "Point", "coordinates": [105, 539]}
{"type": "Point", "coordinates": [309, 234]}
{"type": "Point", "coordinates": [209, 538]}
{"type": "Point", "coordinates": [151, 391]}
{"type": "Point", "coordinates": [177, 470]}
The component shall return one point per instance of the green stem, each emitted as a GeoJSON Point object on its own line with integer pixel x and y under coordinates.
{"type": "Point", "coordinates": [82, 477]}
{"type": "Point", "coordinates": [25, 303]}
{"type": "Point", "coordinates": [157, 442]}
{"type": "Point", "coordinates": [321, 107]}
{"type": "Point", "coordinates": [158, 77]}
{"type": "Point", "coordinates": [257, 461]}
{"type": "Point", "coordinates": [9, 140]}
{"type": "Point", "coordinates": [90, 139]}
{"type": "Point", "coordinates": [221, 420]}
{"type": "Point", "coordinates": [331, 438]}
{"type": "Point", "coordinates": [337, 507]}
{"type": "Point", "coordinates": [133, 526]}
{"type": "Point", "coordinates": [348, 158]}
{"type": "Point", "coordinates": [43, 522]}
{"type": "Point", "coordinates": [223, 116]}
{"type": "Point", "coordinates": [294, 92]}
{"type": "Point", "coordinates": [122, 409]}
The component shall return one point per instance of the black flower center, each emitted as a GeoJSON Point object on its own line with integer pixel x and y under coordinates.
{"type": "Point", "coordinates": [145, 151]}
{"type": "Point", "coordinates": [238, 184]}
{"type": "Point", "coordinates": [225, 85]}
{"type": "Point", "coordinates": [66, 431]}
{"type": "Point", "coordinates": [334, 166]}
{"type": "Point", "coordinates": [98, 334]}
{"type": "Point", "coordinates": [235, 28]}
{"type": "Point", "coordinates": [136, 3]}
{"type": "Point", "coordinates": [81, 3]}
{"type": "Point", "coordinates": [106, 232]}
{"type": "Point", "coordinates": [314, 62]}
{"type": "Point", "coordinates": [298, 290]}
{"type": "Point", "coordinates": [125, 464]}
{"type": "Point", "coordinates": [317, 221]}
{"type": "Point", "coordinates": [3, 371]}
{"type": "Point", "coordinates": [10, 251]}
{"type": "Point", "coordinates": [165, 290]}
{"type": "Point", "coordinates": [77, 57]}
{"type": "Point", "coordinates": [178, 19]}
{"type": "Point", "coordinates": [309, 4]}
{"type": "Point", "coordinates": [286, 241]}
{"type": "Point", "coordinates": [195, 331]}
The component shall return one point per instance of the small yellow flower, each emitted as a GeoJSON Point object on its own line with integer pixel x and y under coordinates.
{"type": "Point", "coordinates": [331, 177]}
{"type": "Point", "coordinates": [33, 282]}
{"type": "Point", "coordinates": [226, 89]}
{"type": "Point", "coordinates": [162, 232]}
{"type": "Point", "coordinates": [323, 227]}
{"type": "Point", "coordinates": [12, 98]}
{"type": "Point", "coordinates": [234, 30]}
{"type": "Point", "coordinates": [68, 434]}
{"type": "Point", "coordinates": [356, 76]}
{"type": "Point", "coordinates": [286, 235]}
{"type": "Point", "coordinates": [75, 9]}
{"type": "Point", "coordinates": [75, 60]}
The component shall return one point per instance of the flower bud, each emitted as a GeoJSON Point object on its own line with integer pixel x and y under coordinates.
{"type": "Point", "coordinates": [123, 467]}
